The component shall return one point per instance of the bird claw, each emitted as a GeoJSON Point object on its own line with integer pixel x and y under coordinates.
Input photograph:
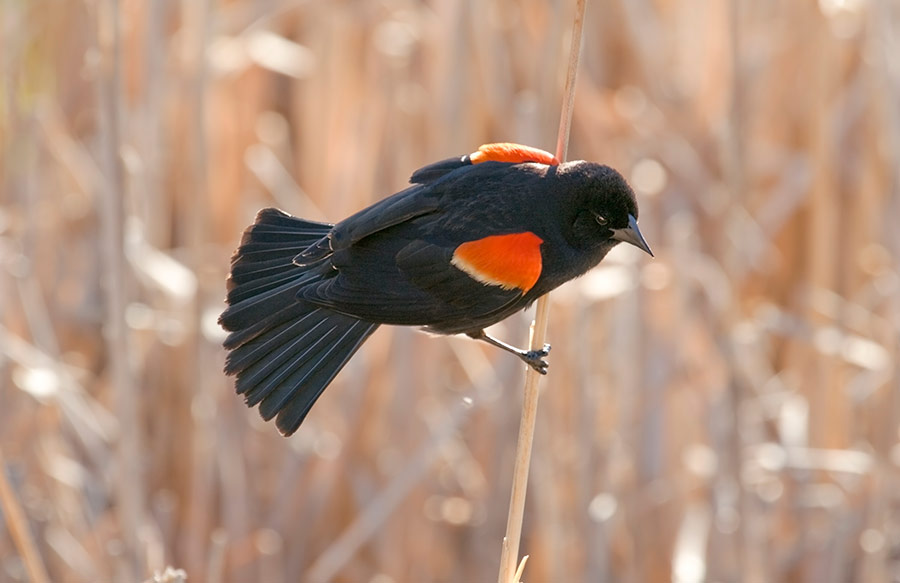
{"type": "Point", "coordinates": [535, 359]}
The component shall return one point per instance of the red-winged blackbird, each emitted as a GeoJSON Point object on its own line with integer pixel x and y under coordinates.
{"type": "Point", "coordinates": [472, 240]}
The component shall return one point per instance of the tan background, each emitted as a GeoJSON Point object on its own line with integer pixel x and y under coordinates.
{"type": "Point", "coordinates": [725, 412]}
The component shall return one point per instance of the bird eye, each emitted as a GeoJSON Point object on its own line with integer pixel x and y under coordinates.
{"type": "Point", "coordinates": [602, 221]}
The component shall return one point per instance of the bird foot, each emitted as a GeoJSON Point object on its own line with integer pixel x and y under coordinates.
{"type": "Point", "coordinates": [535, 359]}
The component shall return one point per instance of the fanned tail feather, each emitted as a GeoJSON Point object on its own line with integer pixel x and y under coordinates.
{"type": "Point", "coordinates": [284, 351]}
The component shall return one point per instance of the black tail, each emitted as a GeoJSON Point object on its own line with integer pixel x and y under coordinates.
{"type": "Point", "coordinates": [283, 351]}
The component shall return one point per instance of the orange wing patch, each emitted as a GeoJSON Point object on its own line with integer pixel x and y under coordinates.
{"type": "Point", "coordinates": [509, 261]}
{"type": "Point", "coordinates": [515, 153]}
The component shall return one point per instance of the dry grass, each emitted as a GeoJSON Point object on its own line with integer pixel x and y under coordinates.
{"type": "Point", "coordinates": [726, 412]}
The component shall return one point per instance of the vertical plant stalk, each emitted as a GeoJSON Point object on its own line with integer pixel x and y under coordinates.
{"type": "Point", "coordinates": [128, 483]}
{"type": "Point", "coordinates": [510, 547]}
{"type": "Point", "coordinates": [736, 176]}
{"type": "Point", "coordinates": [17, 524]}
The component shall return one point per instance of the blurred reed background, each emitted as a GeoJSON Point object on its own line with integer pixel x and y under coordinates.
{"type": "Point", "coordinates": [725, 412]}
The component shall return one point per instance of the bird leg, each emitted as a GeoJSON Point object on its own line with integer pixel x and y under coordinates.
{"type": "Point", "coordinates": [533, 358]}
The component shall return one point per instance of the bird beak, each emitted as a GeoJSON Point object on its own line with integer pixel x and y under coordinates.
{"type": "Point", "coordinates": [631, 234]}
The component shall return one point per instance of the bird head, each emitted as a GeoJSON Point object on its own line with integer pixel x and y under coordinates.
{"type": "Point", "coordinates": [606, 211]}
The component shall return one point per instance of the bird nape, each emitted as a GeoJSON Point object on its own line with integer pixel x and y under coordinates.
{"type": "Point", "coordinates": [472, 240]}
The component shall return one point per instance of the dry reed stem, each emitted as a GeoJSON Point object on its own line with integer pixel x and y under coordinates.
{"type": "Point", "coordinates": [129, 486]}
{"type": "Point", "coordinates": [521, 569]}
{"type": "Point", "coordinates": [512, 538]}
{"type": "Point", "coordinates": [18, 529]}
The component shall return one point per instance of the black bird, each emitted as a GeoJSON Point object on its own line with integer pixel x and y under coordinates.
{"type": "Point", "coordinates": [471, 241]}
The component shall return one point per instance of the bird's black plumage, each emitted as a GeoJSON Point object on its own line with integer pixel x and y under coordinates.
{"type": "Point", "coordinates": [465, 246]}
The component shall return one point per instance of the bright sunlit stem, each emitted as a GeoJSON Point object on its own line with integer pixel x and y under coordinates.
{"type": "Point", "coordinates": [510, 545]}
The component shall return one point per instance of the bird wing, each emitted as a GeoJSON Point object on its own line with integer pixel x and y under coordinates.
{"type": "Point", "coordinates": [415, 201]}
{"type": "Point", "coordinates": [422, 198]}
{"type": "Point", "coordinates": [435, 255]}
{"type": "Point", "coordinates": [399, 277]}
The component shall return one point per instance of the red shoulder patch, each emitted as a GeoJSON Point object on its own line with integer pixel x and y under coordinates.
{"type": "Point", "coordinates": [509, 261]}
{"type": "Point", "coordinates": [515, 153]}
